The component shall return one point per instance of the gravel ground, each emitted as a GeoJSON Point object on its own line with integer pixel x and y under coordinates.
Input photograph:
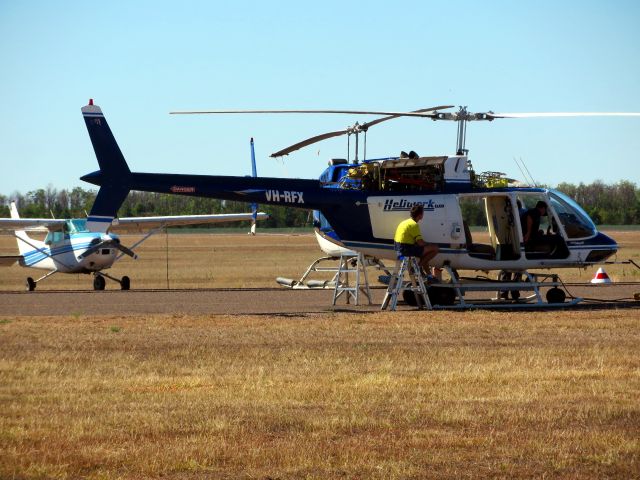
{"type": "Point", "coordinates": [239, 301]}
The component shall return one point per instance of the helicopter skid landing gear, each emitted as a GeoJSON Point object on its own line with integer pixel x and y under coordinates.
{"type": "Point", "coordinates": [520, 281]}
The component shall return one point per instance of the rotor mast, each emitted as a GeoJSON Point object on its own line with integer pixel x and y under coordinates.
{"type": "Point", "coordinates": [356, 129]}
{"type": "Point", "coordinates": [462, 133]}
{"type": "Point", "coordinates": [462, 116]}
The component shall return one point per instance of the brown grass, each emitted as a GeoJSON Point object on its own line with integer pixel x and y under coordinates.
{"type": "Point", "coordinates": [404, 395]}
{"type": "Point", "coordinates": [382, 395]}
{"type": "Point", "coordinates": [240, 261]}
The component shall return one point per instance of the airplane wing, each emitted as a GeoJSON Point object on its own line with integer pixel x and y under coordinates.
{"type": "Point", "coordinates": [137, 224]}
{"type": "Point", "coordinates": [31, 223]}
{"type": "Point", "coordinates": [8, 260]}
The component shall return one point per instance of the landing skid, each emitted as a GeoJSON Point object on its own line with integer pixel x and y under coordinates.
{"type": "Point", "coordinates": [305, 283]}
{"type": "Point", "coordinates": [452, 295]}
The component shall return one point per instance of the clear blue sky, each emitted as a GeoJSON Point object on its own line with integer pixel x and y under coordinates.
{"type": "Point", "coordinates": [141, 59]}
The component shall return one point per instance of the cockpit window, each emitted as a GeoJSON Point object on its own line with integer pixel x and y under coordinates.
{"type": "Point", "coordinates": [54, 236]}
{"type": "Point", "coordinates": [76, 225]}
{"type": "Point", "coordinates": [574, 219]}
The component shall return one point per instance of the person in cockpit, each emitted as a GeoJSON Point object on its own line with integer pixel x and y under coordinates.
{"type": "Point", "coordinates": [535, 239]}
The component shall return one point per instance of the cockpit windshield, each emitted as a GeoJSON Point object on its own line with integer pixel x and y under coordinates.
{"type": "Point", "coordinates": [575, 220]}
{"type": "Point", "coordinates": [76, 225]}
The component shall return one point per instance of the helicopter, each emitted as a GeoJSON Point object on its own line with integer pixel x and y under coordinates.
{"type": "Point", "coordinates": [360, 203]}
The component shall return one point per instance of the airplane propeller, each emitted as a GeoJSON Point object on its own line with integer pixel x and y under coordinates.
{"type": "Point", "coordinates": [113, 243]}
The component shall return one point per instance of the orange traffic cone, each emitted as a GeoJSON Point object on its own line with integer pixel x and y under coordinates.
{"type": "Point", "coordinates": [601, 277]}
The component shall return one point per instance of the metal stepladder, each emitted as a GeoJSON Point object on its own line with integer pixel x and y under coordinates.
{"type": "Point", "coordinates": [352, 263]}
{"type": "Point", "coordinates": [398, 284]}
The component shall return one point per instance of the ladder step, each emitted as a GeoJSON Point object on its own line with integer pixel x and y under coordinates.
{"type": "Point", "coordinates": [398, 284]}
{"type": "Point", "coordinates": [342, 278]}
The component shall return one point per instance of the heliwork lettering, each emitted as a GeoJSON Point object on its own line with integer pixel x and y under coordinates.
{"type": "Point", "coordinates": [285, 196]}
{"type": "Point", "coordinates": [391, 205]}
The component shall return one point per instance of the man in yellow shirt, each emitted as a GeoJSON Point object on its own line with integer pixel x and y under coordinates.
{"type": "Point", "coordinates": [409, 242]}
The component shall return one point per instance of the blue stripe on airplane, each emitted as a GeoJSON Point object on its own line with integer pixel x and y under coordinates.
{"type": "Point", "coordinates": [36, 256]}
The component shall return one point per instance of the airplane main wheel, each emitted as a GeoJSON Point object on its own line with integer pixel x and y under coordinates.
{"type": "Point", "coordinates": [99, 283]}
{"type": "Point", "coordinates": [556, 295]}
{"type": "Point", "coordinates": [125, 283]}
{"type": "Point", "coordinates": [31, 284]}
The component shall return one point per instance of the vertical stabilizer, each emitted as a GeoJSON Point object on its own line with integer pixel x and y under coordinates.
{"type": "Point", "coordinates": [114, 171]}
{"type": "Point", "coordinates": [110, 158]}
{"type": "Point", "coordinates": [21, 236]}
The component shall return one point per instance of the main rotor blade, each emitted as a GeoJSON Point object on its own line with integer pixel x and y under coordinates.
{"type": "Point", "coordinates": [363, 127]}
{"type": "Point", "coordinates": [562, 114]}
{"type": "Point", "coordinates": [349, 112]}
{"type": "Point", "coordinates": [306, 142]}
{"type": "Point", "coordinates": [423, 110]}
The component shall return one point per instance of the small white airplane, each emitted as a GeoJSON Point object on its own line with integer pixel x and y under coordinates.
{"type": "Point", "coordinates": [73, 246]}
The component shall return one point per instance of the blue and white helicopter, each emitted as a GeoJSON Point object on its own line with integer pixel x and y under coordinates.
{"type": "Point", "coordinates": [360, 204]}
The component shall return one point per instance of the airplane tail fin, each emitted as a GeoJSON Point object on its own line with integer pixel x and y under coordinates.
{"type": "Point", "coordinates": [113, 176]}
{"type": "Point", "coordinates": [23, 247]}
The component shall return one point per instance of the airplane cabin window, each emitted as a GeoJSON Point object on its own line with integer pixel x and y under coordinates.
{"type": "Point", "coordinates": [53, 237]}
{"type": "Point", "coordinates": [77, 225]}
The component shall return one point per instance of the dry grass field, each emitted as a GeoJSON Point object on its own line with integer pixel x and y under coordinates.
{"type": "Point", "coordinates": [390, 395]}
{"type": "Point", "coordinates": [240, 261]}
{"type": "Point", "coordinates": [404, 395]}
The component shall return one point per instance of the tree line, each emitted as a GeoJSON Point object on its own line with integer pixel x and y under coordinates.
{"type": "Point", "coordinates": [76, 203]}
{"type": "Point", "coordinates": [610, 204]}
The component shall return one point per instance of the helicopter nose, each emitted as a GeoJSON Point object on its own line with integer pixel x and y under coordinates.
{"type": "Point", "coordinates": [604, 247]}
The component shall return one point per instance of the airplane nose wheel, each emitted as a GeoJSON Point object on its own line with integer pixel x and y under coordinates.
{"type": "Point", "coordinates": [98, 283]}
{"type": "Point", "coordinates": [31, 285]}
{"type": "Point", "coordinates": [125, 283]}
